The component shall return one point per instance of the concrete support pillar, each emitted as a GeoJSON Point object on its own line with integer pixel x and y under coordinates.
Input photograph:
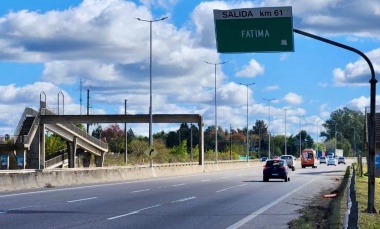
{"type": "Point", "coordinates": [42, 147]}
{"type": "Point", "coordinates": [72, 148]}
{"type": "Point", "coordinates": [86, 159]}
{"type": "Point", "coordinates": [20, 158]}
{"type": "Point", "coordinates": [99, 160]}
{"type": "Point", "coordinates": [201, 143]}
{"type": "Point", "coordinates": [4, 161]}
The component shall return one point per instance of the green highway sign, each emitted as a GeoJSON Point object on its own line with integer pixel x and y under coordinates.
{"type": "Point", "coordinates": [268, 29]}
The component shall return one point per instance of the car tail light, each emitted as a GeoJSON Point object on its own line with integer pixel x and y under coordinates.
{"type": "Point", "coordinates": [265, 167]}
{"type": "Point", "coordinates": [284, 167]}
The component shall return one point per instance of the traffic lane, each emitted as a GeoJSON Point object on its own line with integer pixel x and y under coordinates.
{"type": "Point", "coordinates": [142, 200]}
{"type": "Point", "coordinates": [328, 178]}
{"type": "Point", "coordinates": [146, 206]}
{"type": "Point", "coordinates": [58, 195]}
{"type": "Point", "coordinates": [237, 204]}
{"type": "Point", "coordinates": [30, 201]}
{"type": "Point", "coordinates": [212, 211]}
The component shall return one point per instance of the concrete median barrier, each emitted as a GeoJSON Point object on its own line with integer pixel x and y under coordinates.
{"type": "Point", "coordinates": [11, 180]}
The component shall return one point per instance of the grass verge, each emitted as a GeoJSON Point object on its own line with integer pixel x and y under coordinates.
{"type": "Point", "coordinates": [367, 220]}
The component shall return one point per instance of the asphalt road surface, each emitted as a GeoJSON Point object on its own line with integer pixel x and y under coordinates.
{"type": "Point", "coordinates": [228, 199]}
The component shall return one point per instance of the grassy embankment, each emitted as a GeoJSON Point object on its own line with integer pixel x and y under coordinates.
{"type": "Point", "coordinates": [366, 220]}
{"type": "Point", "coordinates": [329, 213]}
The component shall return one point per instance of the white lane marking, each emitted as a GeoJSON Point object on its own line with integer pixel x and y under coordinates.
{"type": "Point", "coordinates": [205, 180]}
{"type": "Point", "coordinates": [90, 198]}
{"type": "Point", "coordinates": [183, 200]}
{"type": "Point", "coordinates": [175, 185]}
{"type": "Point", "coordinates": [134, 212]}
{"type": "Point", "coordinates": [142, 190]}
{"type": "Point", "coordinates": [13, 209]}
{"type": "Point", "coordinates": [172, 185]}
{"type": "Point", "coordinates": [225, 189]}
{"type": "Point", "coordinates": [263, 209]}
{"type": "Point", "coordinates": [103, 185]}
{"type": "Point", "coordinates": [225, 177]}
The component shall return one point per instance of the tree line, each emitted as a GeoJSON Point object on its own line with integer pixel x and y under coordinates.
{"type": "Point", "coordinates": [344, 129]}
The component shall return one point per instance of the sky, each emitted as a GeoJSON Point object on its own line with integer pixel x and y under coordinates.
{"type": "Point", "coordinates": [61, 49]}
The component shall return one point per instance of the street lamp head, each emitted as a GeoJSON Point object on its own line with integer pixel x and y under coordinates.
{"type": "Point", "coordinates": [161, 19]}
{"type": "Point", "coordinates": [216, 63]}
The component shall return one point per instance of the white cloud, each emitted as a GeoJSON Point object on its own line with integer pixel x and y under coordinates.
{"type": "Point", "coordinates": [272, 88]}
{"type": "Point", "coordinates": [251, 70]}
{"type": "Point", "coordinates": [357, 73]}
{"type": "Point", "coordinates": [102, 43]}
{"type": "Point", "coordinates": [360, 103]}
{"type": "Point", "coordinates": [293, 98]}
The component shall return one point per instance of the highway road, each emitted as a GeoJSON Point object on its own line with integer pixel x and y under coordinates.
{"type": "Point", "coordinates": [226, 199]}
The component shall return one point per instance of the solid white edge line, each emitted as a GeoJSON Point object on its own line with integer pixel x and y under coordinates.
{"type": "Point", "coordinates": [261, 210]}
{"type": "Point", "coordinates": [183, 200]}
{"type": "Point", "coordinates": [105, 185]}
{"type": "Point", "coordinates": [90, 198]}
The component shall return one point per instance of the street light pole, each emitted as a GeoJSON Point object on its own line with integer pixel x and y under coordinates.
{"type": "Point", "coordinates": [355, 155]}
{"type": "Point", "coordinates": [300, 133]}
{"type": "Point", "coordinates": [317, 136]}
{"type": "Point", "coordinates": [285, 109]}
{"type": "Point", "coordinates": [150, 76]}
{"type": "Point", "coordinates": [126, 135]}
{"type": "Point", "coordinates": [216, 110]}
{"type": "Point", "coordinates": [247, 117]}
{"type": "Point", "coordinates": [335, 138]}
{"type": "Point", "coordinates": [269, 100]}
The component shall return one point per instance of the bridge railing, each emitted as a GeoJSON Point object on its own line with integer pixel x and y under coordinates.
{"type": "Point", "coordinates": [78, 131]}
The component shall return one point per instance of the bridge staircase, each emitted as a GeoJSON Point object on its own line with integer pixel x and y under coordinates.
{"type": "Point", "coordinates": [29, 125]}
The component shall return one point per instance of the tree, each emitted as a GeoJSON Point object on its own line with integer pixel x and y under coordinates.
{"type": "Point", "coordinates": [171, 139]}
{"type": "Point", "coordinates": [97, 133]}
{"type": "Point", "coordinates": [260, 129]}
{"type": "Point", "coordinates": [293, 143]}
{"type": "Point", "coordinates": [115, 138]}
{"type": "Point", "coordinates": [160, 136]}
{"type": "Point", "coordinates": [348, 125]}
{"type": "Point", "coordinates": [181, 151]}
{"type": "Point", "coordinates": [81, 126]}
{"type": "Point", "coordinates": [54, 143]}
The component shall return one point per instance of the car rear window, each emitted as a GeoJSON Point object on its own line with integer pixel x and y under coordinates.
{"type": "Point", "coordinates": [286, 157]}
{"type": "Point", "coordinates": [275, 163]}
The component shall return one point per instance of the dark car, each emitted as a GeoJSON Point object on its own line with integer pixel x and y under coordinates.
{"type": "Point", "coordinates": [276, 169]}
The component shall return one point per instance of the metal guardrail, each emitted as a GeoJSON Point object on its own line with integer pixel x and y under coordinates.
{"type": "Point", "coordinates": [351, 217]}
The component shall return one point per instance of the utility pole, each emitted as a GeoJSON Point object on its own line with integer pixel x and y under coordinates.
{"type": "Point", "coordinates": [126, 135]}
{"type": "Point", "coordinates": [230, 142]}
{"type": "Point", "coordinates": [247, 120]}
{"type": "Point", "coordinates": [285, 109]}
{"type": "Point", "coordinates": [216, 116]}
{"type": "Point", "coordinates": [88, 109]}
{"type": "Point", "coordinates": [269, 100]}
